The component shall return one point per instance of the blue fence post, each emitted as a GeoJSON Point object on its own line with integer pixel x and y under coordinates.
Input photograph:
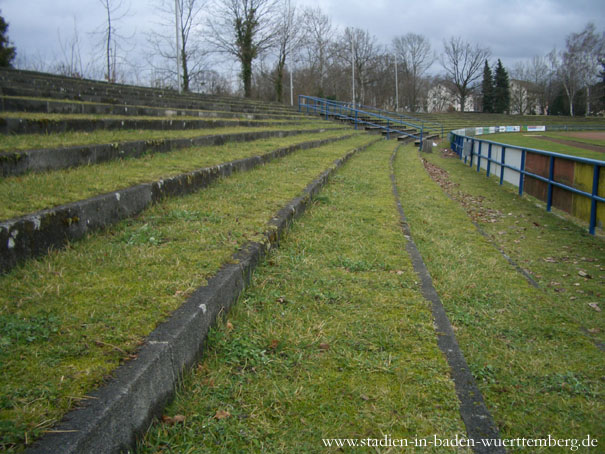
{"type": "Point", "coordinates": [388, 130]}
{"type": "Point", "coordinates": [355, 118]}
{"type": "Point", "coordinates": [593, 201]}
{"type": "Point", "coordinates": [489, 158]}
{"type": "Point", "coordinates": [479, 156]}
{"type": "Point", "coordinates": [551, 177]}
{"type": "Point", "coordinates": [299, 98]}
{"type": "Point", "coordinates": [503, 156]}
{"type": "Point", "coordinates": [472, 152]}
{"type": "Point", "coordinates": [522, 172]}
{"type": "Point", "coordinates": [421, 134]}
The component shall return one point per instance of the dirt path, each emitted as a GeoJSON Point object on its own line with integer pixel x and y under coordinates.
{"type": "Point", "coordinates": [574, 143]}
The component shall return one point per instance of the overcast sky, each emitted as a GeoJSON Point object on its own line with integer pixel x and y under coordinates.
{"type": "Point", "coordinates": [514, 30]}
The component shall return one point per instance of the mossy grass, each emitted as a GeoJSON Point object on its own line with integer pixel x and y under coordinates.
{"type": "Point", "coordinates": [20, 195]}
{"type": "Point", "coordinates": [69, 319]}
{"type": "Point", "coordinates": [532, 350]}
{"type": "Point", "coordinates": [203, 112]}
{"type": "Point", "coordinates": [534, 141]}
{"type": "Point", "coordinates": [66, 139]}
{"type": "Point", "coordinates": [36, 116]}
{"type": "Point", "coordinates": [332, 339]}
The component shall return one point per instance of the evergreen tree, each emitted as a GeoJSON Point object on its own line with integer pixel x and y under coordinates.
{"type": "Point", "coordinates": [501, 89]}
{"type": "Point", "coordinates": [487, 89]}
{"type": "Point", "coordinates": [7, 52]}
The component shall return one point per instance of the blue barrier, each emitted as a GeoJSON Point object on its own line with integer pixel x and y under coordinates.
{"type": "Point", "coordinates": [465, 146]}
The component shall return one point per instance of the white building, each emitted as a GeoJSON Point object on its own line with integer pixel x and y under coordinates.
{"type": "Point", "coordinates": [441, 98]}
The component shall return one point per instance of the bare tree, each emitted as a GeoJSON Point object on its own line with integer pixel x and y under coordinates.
{"type": "Point", "coordinates": [319, 35]}
{"type": "Point", "coordinates": [463, 63]}
{"type": "Point", "coordinates": [579, 63]}
{"type": "Point", "coordinates": [115, 10]}
{"type": "Point", "coordinates": [71, 63]}
{"type": "Point", "coordinates": [288, 38]}
{"type": "Point", "coordinates": [244, 29]}
{"type": "Point", "coordinates": [359, 49]}
{"type": "Point", "coordinates": [190, 50]}
{"type": "Point", "coordinates": [414, 51]}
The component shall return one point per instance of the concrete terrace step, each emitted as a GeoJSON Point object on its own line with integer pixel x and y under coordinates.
{"type": "Point", "coordinates": [40, 160]}
{"type": "Point", "coordinates": [14, 83]}
{"type": "Point", "coordinates": [21, 104]}
{"type": "Point", "coordinates": [12, 125]}
{"type": "Point", "coordinates": [32, 235]}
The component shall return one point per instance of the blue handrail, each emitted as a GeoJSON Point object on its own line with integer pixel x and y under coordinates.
{"type": "Point", "coordinates": [359, 116]}
{"type": "Point", "coordinates": [458, 141]}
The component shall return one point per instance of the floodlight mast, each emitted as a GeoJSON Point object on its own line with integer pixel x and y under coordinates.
{"type": "Point", "coordinates": [178, 47]}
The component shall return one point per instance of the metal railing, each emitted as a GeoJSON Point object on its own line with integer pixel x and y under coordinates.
{"type": "Point", "coordinates": [426, 125]}
{"type": "Point", "coordinates": [357, 117]}
{"type": "Point", "coordinates": [515, 161]}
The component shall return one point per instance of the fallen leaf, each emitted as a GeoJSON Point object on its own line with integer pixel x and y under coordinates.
{"type": "Point", "coordinates": [364, 397]}
{"type": "Point", "coordinates": [550, 260]}
{"type": "Point", "coordinates": [273, 345]}
{"type": "Point", "coordinates": [281, 300]}
{"type": "Point", "coordinates": [324, 347]}
{"type": "Point", "coordinates": [229, 326]}
{"type": "Point", "coordinates": [584, 274]}
{"type": "Point", "coordinates": [595, 306]}
{"type": "Point", "coordinates": [171, 421]}
{"type": "Point", "coordinates": [222, 414]}
{"type": "Point", "coordinates": [594, 330]}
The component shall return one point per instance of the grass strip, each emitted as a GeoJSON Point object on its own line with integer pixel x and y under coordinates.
{"type": "Point", "coordinates": [68, 320]}
{"type": "Point", "coordinates": [66, 139]}
{"type": "Point", "coordinates": [29, 193]}
{"type": "Point", "coordinates": [332, 340]}
{"type": "Point", "coordinates": [572, 272]}
{"type": "Point", "coordinates": [55, 117]}
{"type": "Point", "coordinates": [27, 104]}
{"type": "Point", "coordinates": [538, 371]}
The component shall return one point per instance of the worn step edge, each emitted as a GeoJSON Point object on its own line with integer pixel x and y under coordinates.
{"type": "Point", "coordinates": [13, 125]}
{"type": "Point", "coordinates": [116, 414]}
{"type": "Point", "coordinates": [54, 106]}
{"type": "Point", "coordinates": [20, 162]}
{"type": "Point", "coordinates": [33, 234]}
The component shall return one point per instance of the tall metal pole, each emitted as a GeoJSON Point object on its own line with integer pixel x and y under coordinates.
{"type": "Point", "coordinates": [353, 69]}
{"type": "Point", "coordinates": [178, 46]}
{"type": "Point", "coordinates": [396, 87]}
{"type": "Point", "coordinates": [291, 89]}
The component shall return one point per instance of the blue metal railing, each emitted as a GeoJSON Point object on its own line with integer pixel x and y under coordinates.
{"type": "Point", "coordinates": [458, 142]}
{"type": "Point", "coordinates": [426, 125]}
{"type": "Point", "coordinates": [357, 116]}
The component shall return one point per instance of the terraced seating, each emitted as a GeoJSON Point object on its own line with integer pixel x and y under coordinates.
{"type": "Point", "coordinates": [96, 202]}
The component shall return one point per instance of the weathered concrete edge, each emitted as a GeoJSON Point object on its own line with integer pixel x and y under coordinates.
{"type": "Point", "coordinates": [123, 409]}
{"type": "Point", "coordinates": [14, 163]}
{"type": "Point", "coordinates": [473, 410]}
{"type": "Point", "coordinates": [33, 234]}
{"type": "Point", "coordinates": [11, 125]}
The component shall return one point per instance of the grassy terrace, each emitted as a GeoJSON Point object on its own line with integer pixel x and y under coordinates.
{"type": "Point", "coordinates": [50, 117]}
{"type": "Point", "coordinates": [535, 141]}
{"type": "Point", "coordinates": [65, 139]}
{"type": "Point", "coordinates": [25, 194]}
{"type": "Point", "coordinates": [332, 340]}
{"type": "Point", "coordinates": [533, 351]}
{"type": "Point", "coordinates": [70, 318]}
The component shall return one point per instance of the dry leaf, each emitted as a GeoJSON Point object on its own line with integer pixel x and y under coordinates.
{"type": "Point", "coordinates": [594, 330]}
{"type": "Point", "coordinates": [584, 274]}
{"type": "Point", "coordinates": [229, 326]}
{"type": "Point", "coordinates": [364, 397]}
{"type": "Point", "coordinates": [222, 414]}
{"type": "Point", "coordinates": [595, 306]}
{"type": "Point", "coordinates": [324, 347]}
{"type": "Point", "coordinates": [273, 345]}
{"type": "Point", "coordinates": [173, 420]}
